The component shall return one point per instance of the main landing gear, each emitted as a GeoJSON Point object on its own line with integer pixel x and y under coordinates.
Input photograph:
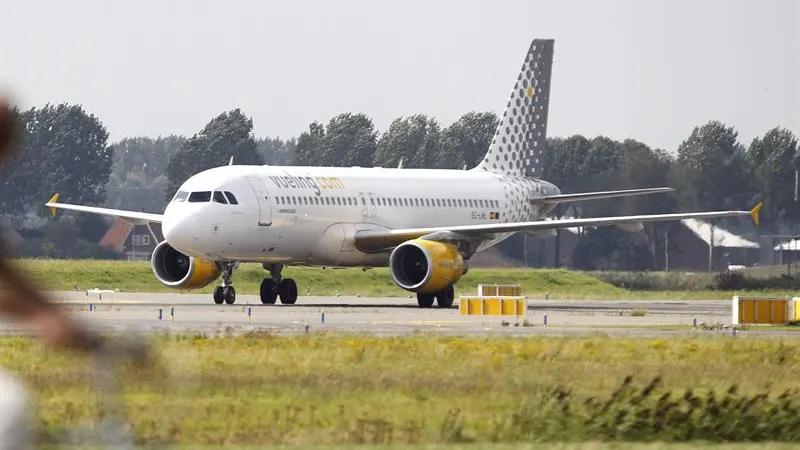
{"type": "Point", "coordinates": [274, 287]}
{"type": "Point", "coordinates": [444, 298]}
{"type": "Point", "coordinates": [271, 288]}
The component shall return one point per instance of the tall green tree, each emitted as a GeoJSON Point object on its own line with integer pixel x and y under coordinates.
{"type": "Point", "coordinates": [773, 160]}
{"type": "Point", "coordinates": [19, 179]}
{"type": "Point", "coordinates": [350, 140]}
{"type": "Point", "coordinates": [413, 139]}
{"type": "Point", "coordinates": [139, 176]}
{"type": "Point", "coordinates": [63, 150]}
{"type": "Point", "coordinates": [347, 140]}
{"type": "Point", "coordinates": [230, 134]}
{"type": "Point", "coordinates": [465, 141]}
{"type": "Point", "coordinates": [712, 170]}
{"type": "Point", "coordinates": [276, 151]}
{"type": "Point", "coordinates": [309, 150]}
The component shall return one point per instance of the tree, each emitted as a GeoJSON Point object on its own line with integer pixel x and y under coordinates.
{"type": "Point", "coordinates": [230, 134]}
{"type": "Point", "coordinates": [773, 161]}
{"type": "Point", "coordinates": [309, 150]}
{"type": "Point", "coordinates": [63, 150]}
{"type": "Point", "coordinates": [413, 139]}
{"type": "Point", "coordinates": [276, 151]}
{"type": "Point", "coordinates": [139, 175]}
{"type": "Point", "coordinates": [711, 165]}
{"type": "Point", "coordinates": [348, 140]}
{"type": "Point", "coordinates": [466, 140]}
{"type": "Point", "coordinates": [19, 178]}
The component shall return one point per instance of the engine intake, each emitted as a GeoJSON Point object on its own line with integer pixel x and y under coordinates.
{"type": "Point", "coordinates": [176, 270]}
{"type": "Point", "coordinates": [425, 266]}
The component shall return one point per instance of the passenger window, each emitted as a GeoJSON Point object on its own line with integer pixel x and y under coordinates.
{"type": "Point", "coordinates": [219, 198]}
{"type": "Point", "coordinates": [200, 197]}
{"type": "Point", "coordinates": [231, 198]}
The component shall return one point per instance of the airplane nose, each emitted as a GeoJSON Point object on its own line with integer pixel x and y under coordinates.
{"type": "Point", "coordinates": [175, 231]}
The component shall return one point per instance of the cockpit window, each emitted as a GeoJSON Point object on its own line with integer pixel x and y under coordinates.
{"type": "Point", "coordinates": [180, 196]}
{"type": "Point", "coordinates": [231, 198]}
{"type": "Point", "coordinates": [200, 197]}
{"type": "Point", "coordinates": [219, 198]}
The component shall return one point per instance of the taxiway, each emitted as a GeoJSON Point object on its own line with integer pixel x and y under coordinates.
{"type": "Point", "coordinates": [153, 312]}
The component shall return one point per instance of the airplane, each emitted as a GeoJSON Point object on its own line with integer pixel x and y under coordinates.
{"type": "Point", "coordinates": [423, 224]}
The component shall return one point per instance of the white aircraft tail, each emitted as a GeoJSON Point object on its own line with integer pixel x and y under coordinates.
{"type": "Point", "coordinates": [521, 136]}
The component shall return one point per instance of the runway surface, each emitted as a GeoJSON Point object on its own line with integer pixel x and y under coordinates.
{"type": "Point", "coordinates": [152, 312]}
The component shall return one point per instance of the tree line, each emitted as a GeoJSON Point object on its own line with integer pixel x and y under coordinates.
{"type": "Point", "coordinates": [63, 148]}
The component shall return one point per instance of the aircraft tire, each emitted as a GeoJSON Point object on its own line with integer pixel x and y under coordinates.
{"type": "Point", "coordinates": [425, 300]}
{"type": "Point", "coordinates": [287, 289]}
{"type": "Point", "coordinates": [218, 298]}
{"type": "Point", "coordinates": [445, 297]}
{"type": "Point", "coordinates": [268, 293]}
{"type": "Point", "coordinates": [229, 294]}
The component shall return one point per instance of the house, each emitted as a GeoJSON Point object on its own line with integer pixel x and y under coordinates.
{"type": "Point", "coordinates": [788, 252]}
{"type": "Point", "coordinates": [693, 239]}
{"type": "Point", "coordinates": [689, 248]}
{"type": "Point", "coordinates": [135, 242]}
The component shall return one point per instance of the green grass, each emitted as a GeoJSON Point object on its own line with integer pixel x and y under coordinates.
{"type": "Point", "coordinates": [136, 276]}
{"type": "Point", "coordinates": [349, 389]}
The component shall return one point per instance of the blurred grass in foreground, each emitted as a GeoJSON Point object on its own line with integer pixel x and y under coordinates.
{"type": "Point", "coordinates": [348, 389]}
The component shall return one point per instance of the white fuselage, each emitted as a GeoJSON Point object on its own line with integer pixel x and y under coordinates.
{"type": "Point", "coordinates": [297, 215]}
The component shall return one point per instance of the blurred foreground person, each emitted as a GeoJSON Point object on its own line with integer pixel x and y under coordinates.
{"type": "Point", "coordinates": [21, 301]}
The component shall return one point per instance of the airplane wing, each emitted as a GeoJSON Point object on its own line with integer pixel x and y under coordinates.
{"type": "Point", "coordinates": [581, 196]}
{"type": "Point", "coordinates": [377, 240]}
{"type": "Point", "coordinates": [133, 217]}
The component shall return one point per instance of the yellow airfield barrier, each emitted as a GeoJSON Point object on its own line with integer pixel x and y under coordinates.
{"type": "Point", "coordinates": [493, 306]}
{"type": "Point", "coordinates": [764, 310]}
{"type": "Point", "coordinates": [493, 290]}
{"type": "Point", "coordinates": [494, 300]}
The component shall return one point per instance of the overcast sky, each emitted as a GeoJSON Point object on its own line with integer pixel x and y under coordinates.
{"type": "Point", "coordinates": [649, 70]}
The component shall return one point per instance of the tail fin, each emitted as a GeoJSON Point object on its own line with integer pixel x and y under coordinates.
{"type": "Point", "coordinates": [520, 139]}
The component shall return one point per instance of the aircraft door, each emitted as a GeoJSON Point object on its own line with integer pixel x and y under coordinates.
{"type": "Point", "coordinates": [264, 208]}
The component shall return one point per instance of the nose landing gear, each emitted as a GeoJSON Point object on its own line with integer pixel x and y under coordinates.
{"type": "Point", "coordinates": [226, 293]}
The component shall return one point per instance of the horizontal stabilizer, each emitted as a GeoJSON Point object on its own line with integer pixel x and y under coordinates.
{"type": "Point", "coordinates": [581, 196]}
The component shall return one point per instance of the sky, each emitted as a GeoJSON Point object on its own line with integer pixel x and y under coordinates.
{"type": "Point", "coordinates": [648, 70]}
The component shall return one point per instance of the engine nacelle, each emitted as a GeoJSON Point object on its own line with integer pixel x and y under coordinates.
{"type": "Point", "coordinates": [425, 266]}
{"type": "Point", "coordinates": [176, 270]}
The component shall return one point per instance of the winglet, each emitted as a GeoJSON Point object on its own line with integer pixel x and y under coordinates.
{"type": "Point", "coordinates": [53, 200]}
{"type": "Point", "coordinates": [754, 212]}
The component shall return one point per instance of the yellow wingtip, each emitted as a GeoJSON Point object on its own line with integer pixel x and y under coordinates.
{"type": "Point", "coordinates": [53, 200]}
{"type": "Point", "coordinates": [754, 213]}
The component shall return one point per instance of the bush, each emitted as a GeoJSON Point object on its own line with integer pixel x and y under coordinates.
{"type": "Point", "coordinates": [651, 414]}
{"type": "Point", "coordinates": [680, 281]}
